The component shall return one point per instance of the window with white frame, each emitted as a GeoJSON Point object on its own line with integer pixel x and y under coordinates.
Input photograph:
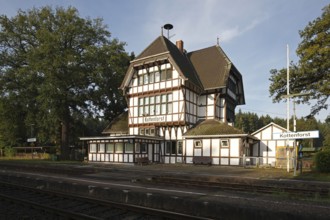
{"type": "Point", "coordinates": [170, 147]}
{"type": "Point", "coordinates": [179, 147]}
{"type": "Point", "coordinates": [137, 147]}
{"type": "Point", "coordinates": [119, 147]}
{"type": "Point", "coordinates": [198, 143]}
{"type": "Point", "coordinates": [155, 76]}
{"type": "Point", "coordinates": [129, 147]}
{"type": "Point", "coordinates": [101, 148]}
{"type": "Point", "coordinates": [143, 147]}
{"type": "Point", "coordinates": [110, 147]}
{"type": "Point", "coordinates": [224, 143]}
{"type": "Point", "coordinates": [156, 105]}
{"type": "Point", "coordinates": [92, 148]}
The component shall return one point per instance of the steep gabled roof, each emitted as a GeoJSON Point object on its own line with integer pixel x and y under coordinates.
{"type": "Point", "coordinates": [118, 125]}
{"type": "Point", "coordinates": [213, 127]}
{"type": "Point", "coordinates": [162, 48]}
{"type": "Point", "coordinates": [207, 68]}
{"type": "Point", "coordinates": [212, 66]}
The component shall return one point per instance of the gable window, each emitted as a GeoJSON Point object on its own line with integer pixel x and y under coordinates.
{"type": "Point", "coordinates": [140, 80]}
{"type": "Point", "coordinates": [157, 76]}
{"type": "Point", "coordinates": [151, 77]}
{"type": "Point", "coordinates": [198, 143]}
{"type": "Point", "coordinates": [168, 74]}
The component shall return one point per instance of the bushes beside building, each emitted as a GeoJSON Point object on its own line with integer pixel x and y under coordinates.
{"type": "Point", "coordinates": [322, 161]}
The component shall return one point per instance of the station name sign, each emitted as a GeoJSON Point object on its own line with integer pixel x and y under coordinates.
{"type": "Point", "coordinates": [154, 119]}
{"type": "Point", "coordinates": [30, 140]}
{"type": "Point", "coordinates": [296, 135]}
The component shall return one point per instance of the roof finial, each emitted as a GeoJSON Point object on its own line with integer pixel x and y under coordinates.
{"type": "Point", "coordinates": [218, 41]}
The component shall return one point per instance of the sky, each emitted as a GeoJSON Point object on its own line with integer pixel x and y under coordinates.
{"type": "Point", "coordinates": [253, 33]}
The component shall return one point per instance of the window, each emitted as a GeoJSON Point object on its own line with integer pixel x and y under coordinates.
{"type": "Point", "coordinates": [129, 148]}
{"type": "Point", "coordinates": [224, 143]}
{"type": "Point", "coordinates": [198, 143]}
{"type": "Point", "coordinates": [143, 147]}
{"type": "Point", "coordinates": [119, 147]}
{"type": "Point", "coordinates": [141, 131]}
{"type": "Point", "coordinates": [92, 148]}
{"type": "Point", "coordinates": [180, 147]}
{"type": "Point", "coordinates": [168, 74]}
{"type": "Point", "coordinates": [170, 147]}
{"type": "Point", "coordinates": [156, 105]}
{"type": "Point", "coordinates": [140, 80]}
{"type": "Point", "coordinates": [145, 79]}
{"type": "Point", "coordinates": [109, 147]}
{"type": "Point", "coordinates": [101, 148]}
{"type": "Point", "coordinates": [163, 75]}
{"type": "Point", "coordinates": [152, 132]}
{"type": "Point", "coordinates": [151, 77]}
{"type": "Point", "coordinates": [146, 131]}
{"type": "Point", "coordinates": [137, 147]}
{"type": "Point", "coordinates": [157, 76]}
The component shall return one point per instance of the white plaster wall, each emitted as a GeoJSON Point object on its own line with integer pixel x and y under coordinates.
{"type": "Point", "coordinates": [267, 134]}
{"type": "Point", "coordinates": [234, 161]}
{"type": "Point", "coordinates": [206, 147]}
{"type": "Point", "coordinates": [215, 147]}
{"type": "Point", "coordinates": [271, 148]}
{"type": "Point", "coordinates": [224, 161]}
{"type": "Point", "coordinates": [224, 152]}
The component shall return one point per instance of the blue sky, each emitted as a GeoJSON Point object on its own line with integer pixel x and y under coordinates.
{"type": "Point", "coordinates": [253, 33]}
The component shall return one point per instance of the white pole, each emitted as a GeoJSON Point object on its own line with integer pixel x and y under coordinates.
{"type": "Point", "coordinates": [287, 106]}
{"type": "Point", "coordinates": [294, 142]}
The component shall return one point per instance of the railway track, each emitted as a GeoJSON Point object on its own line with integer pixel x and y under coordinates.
{"type": "Point", "coordinates": [32, 203]}
{"type": "Point", "coordinates": [280, 189]}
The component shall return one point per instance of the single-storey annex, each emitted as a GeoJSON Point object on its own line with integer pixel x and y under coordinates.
{"type": "Point", "coordinates": [181, 105]}
{"type": "Point", "coordinates": [273, 152]}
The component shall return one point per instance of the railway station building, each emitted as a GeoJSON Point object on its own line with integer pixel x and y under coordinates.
{"type": "Point", "coordinates": [181, 109]}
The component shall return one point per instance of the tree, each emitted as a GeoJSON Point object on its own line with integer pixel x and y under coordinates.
{"type": "Point", "coordinates": [311, 74]}
{"type": "Point", "coordinates": [60, 68]}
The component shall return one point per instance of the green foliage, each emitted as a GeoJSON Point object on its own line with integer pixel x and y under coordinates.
{"type": "Point", "coordinates": [311, 74]}
{"type": "Point", "coordinates": [9, 152]}
{"type": "Point", "coordinates": [322, 161]}
{"type": "Point", "coordinates": [251, 122]}
{"type": "Point", "coordinates": [57, 69]}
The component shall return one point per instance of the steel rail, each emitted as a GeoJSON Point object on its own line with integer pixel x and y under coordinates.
{"type": "Point", "coordinates": [63, 212]}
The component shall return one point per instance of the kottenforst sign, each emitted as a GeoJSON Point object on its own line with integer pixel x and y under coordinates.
{"type": "Point", "coordinates": [296, 135]}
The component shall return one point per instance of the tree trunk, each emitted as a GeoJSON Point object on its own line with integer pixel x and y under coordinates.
{"type": "Point", "coordinates": [65, 149]}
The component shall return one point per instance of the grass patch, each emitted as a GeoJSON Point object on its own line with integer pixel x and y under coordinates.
{"type": "Point", "coordinates": [314, 175]}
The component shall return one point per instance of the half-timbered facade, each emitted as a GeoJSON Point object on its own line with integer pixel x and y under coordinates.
{"type": "Point", "coordinates": [170, 93]}
{"type": "Point", "coordinates": [273, 152]}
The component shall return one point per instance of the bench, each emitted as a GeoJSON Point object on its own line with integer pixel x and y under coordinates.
{"type": "Point", "coordinates": [202, 160]}
{"type": "Point", "coordinates": [142, 160]}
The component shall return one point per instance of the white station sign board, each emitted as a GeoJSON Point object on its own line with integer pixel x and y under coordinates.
{"type": "Point", "coordinates": [30, 140]}
{"type": "Point", "coordinates": [296, 135]}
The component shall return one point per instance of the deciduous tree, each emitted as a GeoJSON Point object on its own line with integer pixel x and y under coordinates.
{"type": "Point", "coordinates": [311, 74]}
{"type": "Point", "coordinates": [59, 68]}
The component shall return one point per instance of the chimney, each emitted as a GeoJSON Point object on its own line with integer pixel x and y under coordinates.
{"type": "Point", "coordinates": [179, 45]}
